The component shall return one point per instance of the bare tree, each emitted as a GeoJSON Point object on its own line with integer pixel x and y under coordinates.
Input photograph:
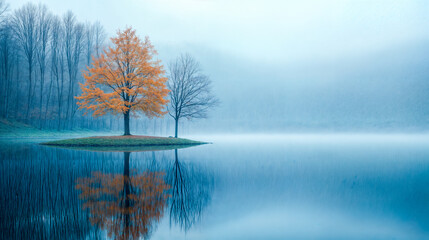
{"type": "Point", "coordinates": [3, 9]}
{"type": "Point", "coordinates": [100, 37]}
{"type": "Point", "coordinates": [74, 36]}
{"type": "Point", "coordinates": [8, 58]}
{"type": "Point", "coordinates": [24, 25]}
{"type": "Point", "coordinates": [78, 48]}
{"type": "Point", "coordinates": [43, 31]}
{"type": "Point", "coordinates": [57, 63]}
{"type": "Point", "coordinates": [5, 63]}
{"type": "Point", "coordinates": [190, 90]}
{"type": "Point", "coordinates": [89, 42]}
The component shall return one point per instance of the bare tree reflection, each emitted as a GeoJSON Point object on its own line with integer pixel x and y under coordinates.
{"type": "Point", "coordinates": [41, 203]}
{"type": "Point", "coordinates": [191, 190]}
{"type": "Point", "coordinates": [126, 205]}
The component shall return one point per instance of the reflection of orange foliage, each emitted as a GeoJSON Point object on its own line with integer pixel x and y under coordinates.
{"type": "Point", "coordinates": [125, 206]}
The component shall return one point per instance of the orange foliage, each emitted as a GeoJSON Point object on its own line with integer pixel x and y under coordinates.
{"type": "Point", "coordinates": [125, 79]}
{"type": "Point", "coordinates": [126, 206]}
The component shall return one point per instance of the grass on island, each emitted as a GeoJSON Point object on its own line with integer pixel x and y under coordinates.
{"type": "Point", "coordinates": [122, 141]}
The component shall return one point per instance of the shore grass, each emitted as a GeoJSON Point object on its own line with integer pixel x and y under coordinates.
{"type": "Point", "coordinates": [10, 129]}
{"type": "Point", "coordinates": [122, 141]}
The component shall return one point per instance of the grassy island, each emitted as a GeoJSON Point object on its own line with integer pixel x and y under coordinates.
{"type": "Point", "coordinates": [120, 142]}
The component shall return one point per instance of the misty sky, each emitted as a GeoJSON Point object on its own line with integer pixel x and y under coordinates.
{"type": "Point", "coordinates": [273, 31]}
{"type": "Point", "coordinates": [291, 60]}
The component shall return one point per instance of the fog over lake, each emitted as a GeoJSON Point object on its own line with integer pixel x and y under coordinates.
{"type": "Point", "coordinates": [290, 65]}
{"type": "Point", "coordinates": [233, 120]}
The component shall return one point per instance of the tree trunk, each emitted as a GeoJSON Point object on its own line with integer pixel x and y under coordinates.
{"type": "Point", "coordinates": [42, 84]}
{"type": "Point", "coordinates": [127, 123]}
{"type": "Point", "coordinates": [7, 90]}
{"type": "Point", "coordinates": [27, 114]}
{"type": "Point", "coordinates": [127, 165]}
{"type": "Point", "coordinates": [47, 103]}
{"type": "Point", "coordinates": [127, 191]}
{"type": "Point", "coordinates": [176, 127]}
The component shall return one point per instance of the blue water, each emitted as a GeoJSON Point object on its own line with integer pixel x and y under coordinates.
{"type": "Point", "coordinates": [240, 187]}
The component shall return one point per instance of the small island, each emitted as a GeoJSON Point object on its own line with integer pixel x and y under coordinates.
{"type": "Point", "coordinates": [124, 143]}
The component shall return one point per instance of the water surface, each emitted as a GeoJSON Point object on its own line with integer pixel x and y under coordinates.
{"type": "Point", "coordinates": [239, 187]}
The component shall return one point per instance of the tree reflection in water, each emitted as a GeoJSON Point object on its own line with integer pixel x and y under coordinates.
{"type": "Point", "coordinates": [126, 205]}
{"type": "Point", "coordinates": [191, 189]}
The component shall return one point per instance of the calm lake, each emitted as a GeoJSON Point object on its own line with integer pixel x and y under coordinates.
{"type": "Point", "coordinates": [239, 187]}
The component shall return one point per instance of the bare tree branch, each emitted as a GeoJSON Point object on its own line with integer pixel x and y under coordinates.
{"type": "Point", "coordinates": [190, 90]}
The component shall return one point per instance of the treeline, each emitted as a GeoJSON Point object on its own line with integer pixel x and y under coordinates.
{"type": "Point", "coordinates": [42, 57]}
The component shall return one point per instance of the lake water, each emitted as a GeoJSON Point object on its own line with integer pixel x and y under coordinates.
{"type": "Point", "coordinates": [239, 187]}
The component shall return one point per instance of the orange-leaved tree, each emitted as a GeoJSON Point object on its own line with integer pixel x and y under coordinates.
{"type": "Point", "coordinates": [125, 79]}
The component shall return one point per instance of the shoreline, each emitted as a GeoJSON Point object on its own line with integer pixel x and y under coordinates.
{"type": "Point", "coordinates": [122, 141]}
